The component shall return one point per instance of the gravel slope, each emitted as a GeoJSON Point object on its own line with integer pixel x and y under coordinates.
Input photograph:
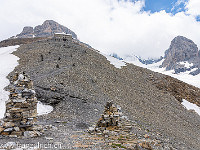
{"type": "Point", "coordinates": [77, 81]}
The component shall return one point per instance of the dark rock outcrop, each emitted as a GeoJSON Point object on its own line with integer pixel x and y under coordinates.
{"type": "Point", "coordinates": [181, 50]}
{"type": "Point", "coordinates": [47, 29]}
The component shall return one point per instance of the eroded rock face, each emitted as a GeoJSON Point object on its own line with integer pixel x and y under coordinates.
{"type": "Point", "coordinates": [27, 32]}
{"type": "Point", "coordinates": [180, 50]}
{"type": "Point", "coordinates": [47, 29]}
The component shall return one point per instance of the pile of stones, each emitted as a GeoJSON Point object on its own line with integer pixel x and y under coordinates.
{"type": "Point", "coordinates": [21, 109]}
{"type": "Point", "coordinates": [120, 132]}
{"type": "Point", "coordinates": [109, 120]}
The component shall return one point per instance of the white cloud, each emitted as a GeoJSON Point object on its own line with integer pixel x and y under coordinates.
{"type": "Point", "coordinates": [193, 7]}
{"type": "Point", "coordinates": [178, 3]}
{"type": "Point", "coordinates": [107, 25]}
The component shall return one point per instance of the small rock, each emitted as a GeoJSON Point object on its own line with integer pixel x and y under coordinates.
{"type": "Point", "coordinates": [1, 129]}
{"type": "Point", "coordinates": [48, 138]}
{"type": "Point", "coordinates": [31, 134]}
{"type": "Point", "coordinates": [91, 129]}
{"type": "Point", "coordinates": [17, 133]}
{"type": "Point", "coordinates": [16, 128]}
{"type": "Point", "coordinates": [13, 136]}
{"type": "Point", "coordinates": [146, 136]}
{"type": "Point", "coordinates": [8, 124]}
{"type": "Point", "coordinates": [8, 129]}
{"type": "Point", "coordinates": [145, 145]}
{"type": "Point", "coordinates": [106, 131]}
{"type": "Point", "coordinates": [5, 133]}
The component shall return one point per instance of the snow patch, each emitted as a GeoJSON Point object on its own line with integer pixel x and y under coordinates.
{"type": "Point", "coordinates": [186, 64]}
{"type": "Point", "coordinates": [183, 76]}
{"type": "Point", "coordinates": [191, 106]}
{"type": "Point", "coordinates": [8, 62]}
{"type": "Point", "coordinates": [43, 109]}
{"type": "Point", "coordinates": [60, 33]}
{"type": "Point", "coordinates": [132, 59]}
{"type": "Point", "coordinates": [114, 61]}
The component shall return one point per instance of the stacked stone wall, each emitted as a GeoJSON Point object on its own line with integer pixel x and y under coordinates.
{"type": "Point", "coordinates": [21, 109]}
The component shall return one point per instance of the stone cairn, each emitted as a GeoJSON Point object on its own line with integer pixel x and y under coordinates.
{"type": "Point", "coordinates": [21, 109]}
{"type": "Point", "coordinates": [109, 120]}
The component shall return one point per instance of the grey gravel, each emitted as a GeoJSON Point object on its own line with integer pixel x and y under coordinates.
{"type": "Point", "coordinates": [83, 83]}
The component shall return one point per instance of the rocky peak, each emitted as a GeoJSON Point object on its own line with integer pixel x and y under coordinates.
{"type": "Point", "coordinates": [27, 32]}
{"type": "Point", "coordinates": [47, 29]}
{"type": "Point", "coordinates": [181, 50]}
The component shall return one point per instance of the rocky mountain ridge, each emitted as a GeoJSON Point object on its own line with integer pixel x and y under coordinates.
{"type": "Point", "coordinates": [47, 29]}
{"type": "Point", "coordinates": [182, 55]}
{"type": "Point", "coordinates": [40, 32]}
{"type": "Point", "coordinates": [78, 81]}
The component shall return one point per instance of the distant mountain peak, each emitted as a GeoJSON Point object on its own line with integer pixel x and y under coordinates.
{"type": "Point", "coordinates": [47, 29]}
{"type": "Point", "coordinates": [182, 50]}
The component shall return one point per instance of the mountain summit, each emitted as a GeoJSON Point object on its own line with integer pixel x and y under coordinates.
{"type": "Point", "coordinates": [182, 55]}
{"type": "Point", "coordinates": [47, 29]}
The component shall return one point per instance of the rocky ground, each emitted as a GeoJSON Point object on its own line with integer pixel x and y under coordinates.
{"type": "Point", "coordinates": [12, 42]}
{"type": "Point", "coordinates": [78, 81]}
{"type": "Point", "coordinates": [71, 132]}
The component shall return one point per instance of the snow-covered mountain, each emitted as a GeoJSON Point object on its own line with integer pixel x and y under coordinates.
{"type": "Point", "coordinates": [185, 76]}
{"type": "Point", "coordinates": [182, 56]}
{"type": "Point", "coordinates": [181, 61]}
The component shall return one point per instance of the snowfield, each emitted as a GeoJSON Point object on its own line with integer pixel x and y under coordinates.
{"type": "Point", "coordinates": [183, 76]}
{"type": "Point", "coordinates": [8, 62]}
{"type": "Point", "coordinates": [114, 61]}
{"type": "Point", "coordinates": [191, 106]}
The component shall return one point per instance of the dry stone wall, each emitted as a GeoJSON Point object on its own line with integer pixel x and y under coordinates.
{"type": "Point", "coordinates": [21, 109]}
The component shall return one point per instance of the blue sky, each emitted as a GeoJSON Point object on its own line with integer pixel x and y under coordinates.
{"type": "Point", "coordinates": [170, 6]}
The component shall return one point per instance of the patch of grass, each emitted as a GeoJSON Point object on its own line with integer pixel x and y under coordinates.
{"type": "Point", "coordinates": [119, 139]}
{"type": "Point", "coordinates": [127, 137]}
{"type": "Point", "coordinates": [114, 145]}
